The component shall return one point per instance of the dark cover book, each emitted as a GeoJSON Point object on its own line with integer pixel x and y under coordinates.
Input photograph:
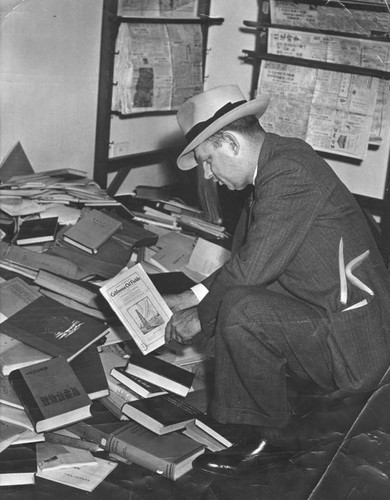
{"type": "Point", "coordinates": [18, 465]}
{"type": "Point", "coordinates": [89, 370]}
{"type": "Point", "coordinates": [54, 328]}
{"type": "Point", "coordinates": [157, 371]}
{"type": "Point", "coordinates": [170, 455]}
{"type": "Point", "coordinates": [172, 282]}
{"type": "Point", "coordinates": [131, 233]}
{"type": "Point", "coordinates": [141, 387]}
{"type": "Point", "coordinates": [37, 231]}
{"type": "Point", "coordinates": [51, 394]}
{"type": "Point", "coordinates": [161, 414]}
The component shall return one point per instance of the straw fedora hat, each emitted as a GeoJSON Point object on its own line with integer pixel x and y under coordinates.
{"type": "Point", "coordinates": [204, 114]}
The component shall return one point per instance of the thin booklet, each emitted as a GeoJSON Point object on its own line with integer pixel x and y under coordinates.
{"type": "Point", "coordinates": [140, 307]}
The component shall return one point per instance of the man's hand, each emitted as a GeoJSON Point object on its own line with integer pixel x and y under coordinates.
{"type": "Point", "coordinates": [183, 325]}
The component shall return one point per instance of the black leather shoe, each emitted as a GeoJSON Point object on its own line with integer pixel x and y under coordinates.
{"type": "Point", "coordinates": [243, 458]}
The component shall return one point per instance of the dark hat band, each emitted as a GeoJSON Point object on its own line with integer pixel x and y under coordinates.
{"type": "Point", "coordinates": [199, 127]}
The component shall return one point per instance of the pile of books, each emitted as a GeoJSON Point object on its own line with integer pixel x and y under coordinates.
{"type": "Point", "coordinates": [83, 326]}
{"type": "Point", "coordinates": [150, 206]}
{"type": "Point", "coordinates": [57, 363]}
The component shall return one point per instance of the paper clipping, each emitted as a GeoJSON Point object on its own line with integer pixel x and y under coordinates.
{"type": "Point", "coordinates": [140, 307]}
{"type": "Point", "coordinates": [330, 110]}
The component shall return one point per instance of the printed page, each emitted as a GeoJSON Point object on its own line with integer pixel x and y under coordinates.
{"type": "Point", "coordinates": [341, 113]}
{"type": "Point", "coordinates": [157, 67]}
{"type": "Point", "coordinates": [290, 89]}
{"type": "Point", "coordinates": [186, 44]}
{"type": "Point", "coordinates": [142, 69]}
{"type": "Point", "coordinates": [332, 49]}
{"type": "Point", "coordinates": [361, 22]}
{"type": "Point", "coordinates": [139, 306]}
{"type": "Point", "coordinates": [332, 111]}
{"type": "Point", "coordinates": [158, 8]}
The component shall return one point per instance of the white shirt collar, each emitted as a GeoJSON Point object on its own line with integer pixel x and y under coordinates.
{"type": "Point", "coordinates": [255, 174]}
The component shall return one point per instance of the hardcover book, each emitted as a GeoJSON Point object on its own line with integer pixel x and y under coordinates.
{"type": "Point", "coordinates": [15, 294]}
{"type": "Point", "coordinates": [141, 387]}
{"type": "Point", "coordinates": [162, 414]}
{"type": "Point", "coordinates": [91, 231]}
{"type": "Point", "coordinates": [34, 231]}
{"type": "Point", "coordinates": [130, 233]}
{"type": "Point", "coordinates": [18, 465]}
{"type": "Point", "coordinates": [66, 437]}
{"type": "Point", "coordinates": [54, 328]}
{"type": "Point", "coordinates": [89, 370]}
{"type": "Point", "coordinates": [114, 403]}
{"type": "Point", "coordinates": [51, 394]}
{"type": "Point", "coordinates": [157, 371]}
{"type": "Point", "coordinates": [170, 455]}
{"type": "Point", "coordinates": [96, 433]}
{"type": "Point", "coordinates": [207, 431]}
{"type": "Point", "coordinates": [123, 393]}
{"type": "Point", "coordinates": [139, 306]}
{"type": "Point", "coordinates": [112, 356]}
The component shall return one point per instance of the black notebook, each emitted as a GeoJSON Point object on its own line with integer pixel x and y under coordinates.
{"type": "Point", "coordinates": [34, 231]}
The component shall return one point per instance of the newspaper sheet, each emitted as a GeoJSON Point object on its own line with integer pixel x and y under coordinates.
{"type": "Point", "coordinates": [362, 53]}
{"type": "Point", "coordinates": [332, 111]}
{"type": "Point", "coordinates": [381, 119]}
{"type": "Point", "coordinates": [340, 50]}
{"type": "Point", "coordinates": [187, 67]}
{"type": "Point", "coordinates": [157, 67]}
{"type": "Point", "coordinates": [139, 306]}
{"type": "Point", "coordinates": [158, 8]}
{"type": "Point", "coordinates": [339, 18]}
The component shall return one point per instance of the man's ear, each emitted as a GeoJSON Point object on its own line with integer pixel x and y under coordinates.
{"type": "Point", "coordinates": [232, 142]}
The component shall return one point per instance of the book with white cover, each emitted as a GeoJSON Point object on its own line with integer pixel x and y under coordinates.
{"type": "Point", "coordinates": [54, 456]}
{"type": "Point", "coordinates": [140, 307]}
{"type": "Point", "coordinates": [85, 478]}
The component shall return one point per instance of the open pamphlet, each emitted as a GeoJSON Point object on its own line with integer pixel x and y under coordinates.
{"type": "Point", "coordinates": [140, 307]}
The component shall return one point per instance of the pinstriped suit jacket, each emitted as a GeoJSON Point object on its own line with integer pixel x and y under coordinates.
{"type": "Point", "coordinates": [308, 235]}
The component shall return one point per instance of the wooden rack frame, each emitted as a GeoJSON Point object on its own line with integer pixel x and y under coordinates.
{"type": "Point", "coordinates": [103, 164]}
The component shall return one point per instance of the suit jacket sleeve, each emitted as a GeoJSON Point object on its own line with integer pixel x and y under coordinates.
{"type": "Point", "coordinates": [287, 200]}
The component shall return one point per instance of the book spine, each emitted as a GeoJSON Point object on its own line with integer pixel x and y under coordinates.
{"type": "Point", "coordinates": [137, 456]}
{"type": "Point", "coordinates": [52, 437]}
{"type": "Point", "coordinates": [122, 392]}
{"type": "Point", "coordinates": [114, 406]}
{"type": "Point", "coordinates": [26, 397]}
{"type": "Point", "coordinates": [88, 432]}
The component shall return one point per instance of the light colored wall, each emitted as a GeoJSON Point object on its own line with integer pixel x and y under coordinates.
{"type": "Point", "coordinates": [49, 63]}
